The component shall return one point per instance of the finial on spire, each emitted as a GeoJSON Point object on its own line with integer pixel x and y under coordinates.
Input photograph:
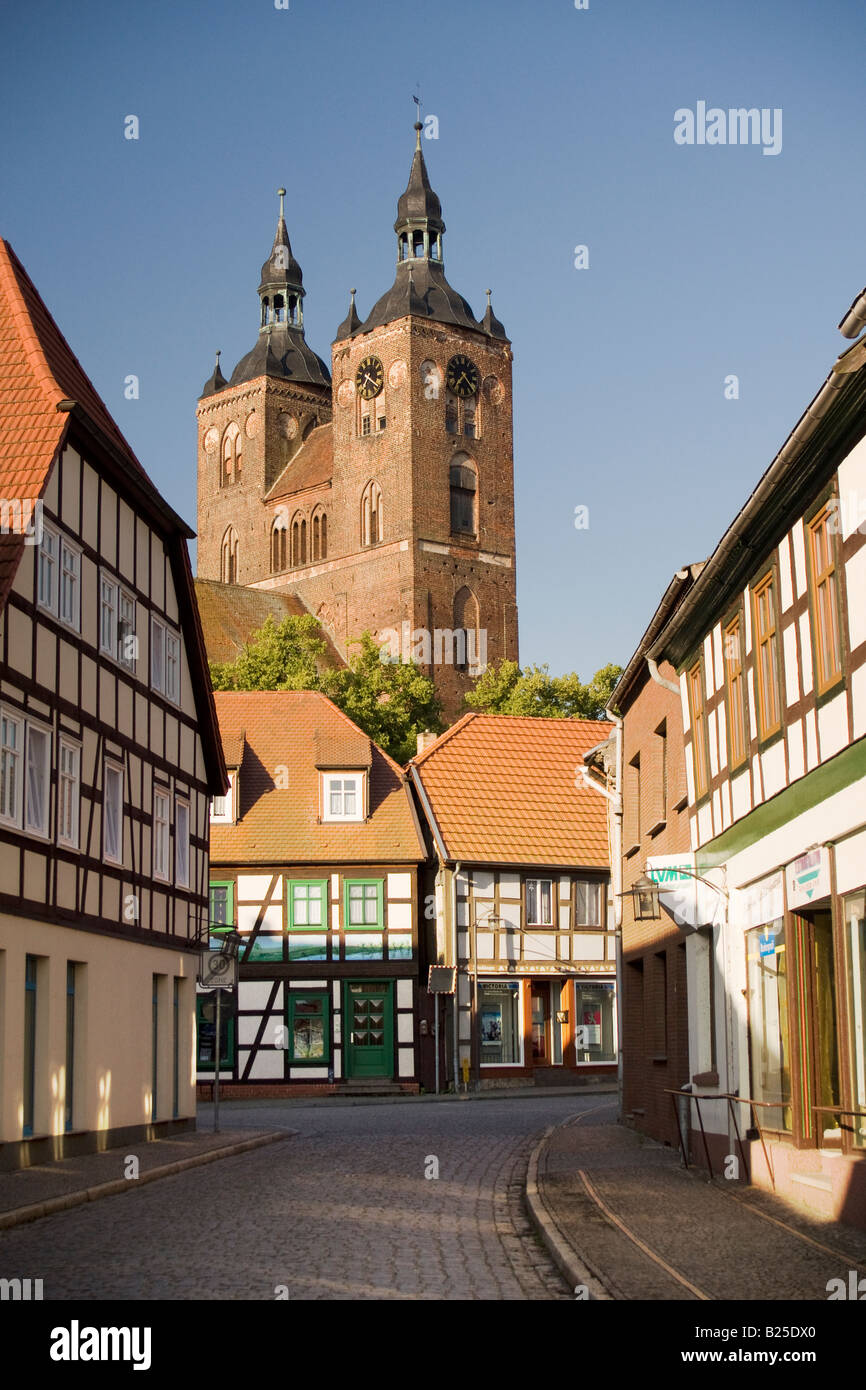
{"type": "Point", "coordinates": [282, 194]}
{"type": "Point", "coordinates": [487, 292]}
{"type": "Point", "coordinates": [218, 355]}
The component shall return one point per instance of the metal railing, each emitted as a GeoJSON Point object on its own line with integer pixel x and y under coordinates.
{"type": "Point", "coordinates": [730, 1098]}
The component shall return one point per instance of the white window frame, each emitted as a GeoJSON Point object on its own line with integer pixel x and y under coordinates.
{"type": "Point", "coordinates": [226, 816]}
{"type": "Point", "coordinates": [111, 766]}
{"type": "Point", "coordinates": [127, 661]}
{"type": "Point", "coordinates": [37, 732]}
{"type": "Point", "coordinates": [181, 842]}
{"type": "Point", "coordinates": [69, 785]}
{"type": "Point", "coordinates": [172, 666]}
{"type": "Point", "coordinates": [328, 778]}
{"type": "Point", "coordinates": [166, 641]}
{"type": "Point", "coordinates": [50, 537]}
{"type": "Point", "coordinates": [161, 832]}
{"type": "Point", "coordinates": [7, 716]}
{"type": "Point", "coordinates": [536, 922]}
{"type": "Point", "coordinates": [72, 574]}
{"type": "Point", "coordinates": [497, 980]}
{"type": "Point", "coordinates": [600, 924]}
{"type": "Point", "coordinates": [107, 585]}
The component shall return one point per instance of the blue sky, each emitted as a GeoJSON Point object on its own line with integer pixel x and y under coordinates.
{"type": "Point", "coordinates": [555, 130]}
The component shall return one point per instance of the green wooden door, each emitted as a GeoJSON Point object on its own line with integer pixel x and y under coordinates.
{"type": "Point", "coordinates": [369, 1023]}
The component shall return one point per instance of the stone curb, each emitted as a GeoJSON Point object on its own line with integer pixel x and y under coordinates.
{"type": "Point", "coordinates": [306, 1102]}
{"type": "Point", "coordinates": [18, 1216]}
{"type": "Point", "coordinates": [564, 1257]}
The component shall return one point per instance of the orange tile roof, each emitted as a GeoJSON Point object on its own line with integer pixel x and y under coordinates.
{"type": "Point", "coordinates": [508, 790]}
{"type": "Point", "coordinates": [38, 371]}
{"type": "Point", "coordinates": [279, 787]}
{"type": "Point", "coordinates": [312, 465]}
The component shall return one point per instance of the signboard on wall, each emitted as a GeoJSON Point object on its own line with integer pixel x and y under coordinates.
{"type": "Point", "coordinates": [683, 896]}
{"type": "Point", "coordinates": [808, 877]}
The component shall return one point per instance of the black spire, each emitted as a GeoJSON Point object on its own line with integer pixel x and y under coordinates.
{"type": "Point", "coordinates": [281, 349]}
{"type": "Point", "coordinates": [215, 382]}
{"type": "Point", "coordinates": [420, 286]}
{"type": "Point", "coordinates": [350, 322]}
{"type": "Point", "coordinates": [490, 323]}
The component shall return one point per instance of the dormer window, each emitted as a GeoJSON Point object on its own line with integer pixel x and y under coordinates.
{"type": "Point", "coordinates": [222, 807]}
{"type": "Point", "coordinates": [343, 796]}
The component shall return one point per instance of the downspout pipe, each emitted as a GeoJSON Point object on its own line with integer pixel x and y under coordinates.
{"type": "Point", "coordinates": [615, 836]}
{"type": "Point", "coordinates": [456, 1010]}
{"type": "Point", "coordinates": [659, 679]}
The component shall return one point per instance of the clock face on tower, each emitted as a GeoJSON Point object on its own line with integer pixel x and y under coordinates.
{"type": "Point", "coordinates": [370, 378]}
{"type": "Point", "coordinates": [461, 376]}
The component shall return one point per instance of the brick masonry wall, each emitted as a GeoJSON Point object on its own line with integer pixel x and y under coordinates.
{"type": "Point", "coordinates": [415, 572]}
{"type": "Point", "coordinates": [655, 1013]}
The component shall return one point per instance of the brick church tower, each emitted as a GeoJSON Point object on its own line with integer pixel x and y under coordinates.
{"type": "Point", "coordinates": [384, 498]}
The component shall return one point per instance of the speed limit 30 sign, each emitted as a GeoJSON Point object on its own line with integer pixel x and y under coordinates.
{"type": "Point", "coordinates": [217, 971]}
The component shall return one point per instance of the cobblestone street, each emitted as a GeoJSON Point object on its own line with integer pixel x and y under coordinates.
{"type": "Point", "coordinates": [341, 1210]}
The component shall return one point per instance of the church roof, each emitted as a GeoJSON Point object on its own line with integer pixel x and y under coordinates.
{"type": "Point", "coordinates": [284, 352]}
{"type": "Point", "coordinates": [232, 614]}
{"type": "Point", "coordinates": [312, 466]}
{"type": "Point", "coordinates": [420, 288]}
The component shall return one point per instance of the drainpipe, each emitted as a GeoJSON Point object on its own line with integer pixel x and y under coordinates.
{"type": "Point", "coordinates": [456, 1011]}
{"type": "Point", "coordinates": [660, 679]}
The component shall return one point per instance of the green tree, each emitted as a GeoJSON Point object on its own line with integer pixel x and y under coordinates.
{"type": "Point", "coordinates": [506, 689]}
{"type": "Point", "coordinates": [279, 656]}
{"type": "Point", "coordinates": [391, 701]}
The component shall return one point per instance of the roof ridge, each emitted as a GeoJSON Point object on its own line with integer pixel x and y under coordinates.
{"type": "Point", "coordinates": [11, 268]}
{"type": "Point", "coordinates": [443, 738]}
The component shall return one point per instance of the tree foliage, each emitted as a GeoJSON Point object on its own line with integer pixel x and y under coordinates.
{"type": "Point", "coordinates": [391, 701]}
{"type": "Point", "coordinates": [506, 689]}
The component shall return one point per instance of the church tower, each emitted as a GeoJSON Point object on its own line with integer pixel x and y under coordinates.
{"type": "Point", "coordinates": [251, 426]}
{"type": "Point", "coordinates": [398, 516]}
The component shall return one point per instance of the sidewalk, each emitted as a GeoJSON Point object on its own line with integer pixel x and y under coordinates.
{"type": "Point", "coordinates": [603, 1088]}
{"type": "Point", "coordinates": [29, 1193]}
{"type": "Point", "coordinates": [621, 1216]}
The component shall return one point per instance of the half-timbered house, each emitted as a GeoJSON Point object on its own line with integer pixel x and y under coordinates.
{"type": "Point", "coordinates": [770, 647]}
{"type": "Point", "coordinates": [522, 901]}
{"type": "Point", "coordinates": [109, 753]}
{"type": "Point", "coordinates": [315, 856]}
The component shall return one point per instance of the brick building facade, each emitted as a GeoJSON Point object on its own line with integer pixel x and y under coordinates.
{"type": "Point", "coordinates": [380, 492]}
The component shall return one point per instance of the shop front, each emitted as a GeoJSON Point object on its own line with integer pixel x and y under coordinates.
{"type": "Point", "coordinates": [543, 1028]}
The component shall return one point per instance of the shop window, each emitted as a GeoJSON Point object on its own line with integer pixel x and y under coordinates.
{"type": "Point", "coordinates": [854, 917]}
{"type": "Point", "coordinates": [769, 1045]}
{"type": "Point", "coordinates": [308, 1026]}
{"type": "Point", "coordinates": [539, 902]}
{"type": "Point", "coordinates": [825, 600]}
{"type": "Point", "coordinates": [766, 642]}
{"type": "Point", "coordinates": [205, 1017]}
{"type": "Point", "coordinates": [500, 1023]}
{"type": "Point", "coordinates": [828, 1098]}
{"type": "Point", "coordinates": [594, 1023]}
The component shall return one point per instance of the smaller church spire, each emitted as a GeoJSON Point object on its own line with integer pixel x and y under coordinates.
{"type": "Point", "coordinates": [350, 322]}
{"type": "Point", "coordinates": [215, 382]}
{"type": "Point", "coordinates": [281, 290]}
{"type": "Point", "coordinates": [419, 224]}
{"type": "Point", "coordinates": [491, 324]}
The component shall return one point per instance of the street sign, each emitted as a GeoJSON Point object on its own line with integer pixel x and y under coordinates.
{"type": "Point", "coordinates": [217, 971]}
{"type": "Point", "coordinates": [442, 979]}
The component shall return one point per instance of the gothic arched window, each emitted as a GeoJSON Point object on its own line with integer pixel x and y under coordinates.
{"type": "Point", "coordinates": [231, 455]}
{"type": "Point", "coordinates": [299, 540]}
{"type": "Point", "coordinates": [463, 479]}
{"type": "Point", "coordinates": [371, 514]}
{"type": "Point", "coordinates": [469, 654]}
{"type": "Point", "coordinates": [279, 534]}
{"type": "Point", "coordinates": [319, 536]}
{"type": "Point", "coordinates": [229, 557]}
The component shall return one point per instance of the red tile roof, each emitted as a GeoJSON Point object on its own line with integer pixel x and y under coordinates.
{"type": "Point", "coordinates": [38, 372]}
{"type": "Point", "coordinates": [279, 787]}
{"type": "Point", "coordinates": [231, 614]}
{"type": "Point", "coordinates": [509, 790]}
{"type": "Point", "coordinates": [312, 466]}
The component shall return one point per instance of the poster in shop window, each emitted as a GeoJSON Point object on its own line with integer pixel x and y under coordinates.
{"type": "Point", "coordinates": [592, 1025]}
{"type": "Point", "coordinates": [491, 1024]}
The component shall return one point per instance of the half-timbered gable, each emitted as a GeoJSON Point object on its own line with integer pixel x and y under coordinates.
{"type": "Point", "coordinates": [521, 898]}
{"type": "Point", "coordinates": [770, 646]}
{"type": "Point", "coordinates": [109, 755]}
{"type": "Point", "coordinates": [315, 857]}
